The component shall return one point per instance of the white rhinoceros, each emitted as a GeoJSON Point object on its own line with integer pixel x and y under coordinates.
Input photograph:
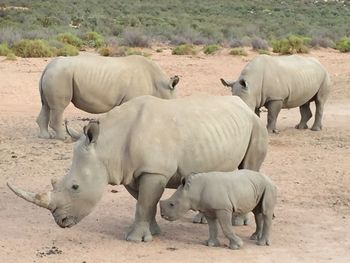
{"type": "Point", "coordinates": [96, 85]}
{"type": "Point", "coordinates": [278, 82]}
{"type": "Point", "coordinates": [148, 144]}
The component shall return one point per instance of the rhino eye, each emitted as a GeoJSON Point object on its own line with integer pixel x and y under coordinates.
{"type": "Point", "coordinates": [75, 186]}
{"type": "Point", "coordinates": [171, 204]}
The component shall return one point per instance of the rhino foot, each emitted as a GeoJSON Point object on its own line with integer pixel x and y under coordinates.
{"type": "Point", "coordinates": [213, 243]}
{"type": "Point", "coordinates": [199, 219]}
{"type": "Point", "coordinates": [255, 236]}
{"type": "Point", "coordinates": [45, 135]}
{"type": "Point", "coordinates": [301, 126]}
{"type": "Point", "coordinates": [155, 229]}
{"type": "Point", "coordinates": [236, 243]}
{"type": "Point", "coordinates": [263, 242]}
{"type": "Point", "coordinates": [316, 128]}
{"type": "Point", "coordinates": [139, 233]}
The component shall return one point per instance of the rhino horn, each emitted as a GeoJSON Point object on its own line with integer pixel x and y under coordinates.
{"type": "Point", "coordinates": [42, 200]}
{"type": "Point", "coordinates": [71, 132]}
{"type": "Point", "coordinates": [227, 83]}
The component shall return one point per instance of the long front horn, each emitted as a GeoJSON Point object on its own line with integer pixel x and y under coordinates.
{"type": "Point", "coordinates": [42, 200]}
{"type": "Point", "coordinates": [71, 132]}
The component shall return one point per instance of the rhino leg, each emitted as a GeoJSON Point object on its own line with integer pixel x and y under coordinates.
{"type": "Point", "coordinates": [213, 231]}
{"type": "Point", "coordinates": [199, 219]}
{"type": "Point", "coordinates": [267, 221]}
{"type": "Point", "coordinates": [306, 114]}
{"type": "Point", "coordinates": [154, 227]}
{"type": "Point", "coordinates": [151, 188]}
{"type": "Point", "coordinates": [274, 107]}
{"type": "Point", "coordinates": [225, 219]}
{"type": "Point", "coordinates": [317, 126]}
{"type": "Point", "coordinates": [57, 124]}
{"type": "Point", "coordinates": [259, 226]}
{"type": "Point", "coordinates": [43, 121]}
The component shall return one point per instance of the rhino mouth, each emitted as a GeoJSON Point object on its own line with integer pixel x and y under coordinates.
{"type": "Point", "coordinates": [169, 218]}
{"type": "Point", "coordinates": [65, 221]}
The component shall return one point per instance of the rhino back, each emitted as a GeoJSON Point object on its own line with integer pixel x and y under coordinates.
{"type": "Point", "coordinates": [293, 79]}
{"type": "Point", "coordinates": [239, 190]}
{"type": "Point", "coordinates": [195, 134]}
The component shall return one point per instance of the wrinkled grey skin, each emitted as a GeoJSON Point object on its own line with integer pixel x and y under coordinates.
{"type": "Point", "coordinates": [219, 195]}
{"type": "Point", "coordinates": [148, 144]}
{"type": "Point", "coordinates": [96, 85]}
{"type": "Point", "coordinates": [279, 82]}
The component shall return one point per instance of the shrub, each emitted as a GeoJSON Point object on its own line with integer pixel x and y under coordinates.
{"type": "Point", "coordinates": [159, 50]}
{"type": "Point", "coordinates": [105, 51]}
{"type": "Point", "coordinates": [235, 42]}
{"type": "Point", "coordinates": [32, 48]}
{"type": "Point", "coordinates": [185, 49]}
{"type": "Point", "coordinates": [4, 50]}
{"type": "Point", "coordinates": [211, 49]}
{"type": "Point", "coordinates": [93, 39]}
{"type": "Point", "coordinates": [67, 50]}
{"type": "Point", "coordinates": [11, 56]}
{"type": "Point", "coordinates": [135, 38]}
{"type": "Point", "coordinates": [343, 45]}
{"type": "Point", "coordinates": [259, 44]}
{"type": "Point", "coordinates": [9, 35]}
{"type": "Point", "coordinates": [238, 52]}
{"type": "Point", "coordinates": [120, 51]}
{"type": "Point", "coordinates": [263, 52]}
{"type": "Point", "coordinates": [321, 42]}
{"type": "Point", "coordinates": [69, 38]}
{"type": "Point", "coordinates": [290, 45]}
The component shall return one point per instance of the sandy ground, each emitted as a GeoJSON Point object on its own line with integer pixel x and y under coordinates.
{"type": "Point", "coordinates": [311, 170]}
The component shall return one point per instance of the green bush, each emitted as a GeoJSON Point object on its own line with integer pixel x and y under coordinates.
{"type": "Point", "coordinates": [11, 56]}
{"type": "Point", "coordinates": [263, 52]}
{"type": "Point", "coordinates": [185, 49]}
{"type": "Point", "coordinates": [4, 50]}
{"type": "Point", "coordinates": [238, 52]}
{"type": "Point", "coordinates": [290, 45]}
{"type": "Point", "coordinates": [211, 49]}
{"type": "Point", "coordinates": [32, 48]}
{"type": "Point", "coordinates": [67, 50]}
{"type": "Point", "coordinates": [105, 51]}
{"type": "Point", "coordinates": [120, 51]}
{"type": "Point", "coordinates": [343, 45]}
{"type": "Point", "coordinates": [93, 39]}
{"type": "Point", "coordinates": [69, 38]}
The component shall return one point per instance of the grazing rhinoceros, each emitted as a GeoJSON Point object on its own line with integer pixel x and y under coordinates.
{"type": "Point", "coordinates": [96, 85]}
{"type": "Point", "coordinates": [219, 195]}
{"type": "Point", "coordinates": [283, 82]}
{"type": "Point", "coordinates": [148, 144]}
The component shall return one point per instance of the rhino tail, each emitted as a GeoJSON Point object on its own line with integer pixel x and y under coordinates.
{"type": "Point", "coordinates": [269, 199]}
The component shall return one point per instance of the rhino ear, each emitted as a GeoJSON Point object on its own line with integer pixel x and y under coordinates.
{"type": "Point", "coordinates": [183, 181]}
{"type": "Point", "coordinates": [227, 83]}
{"type": "Point", "coordinates": [92, 131]}
{"type": "Point", "coordinates": [243, 83]}
{"type": "Point", "coordinates": [174, 81]}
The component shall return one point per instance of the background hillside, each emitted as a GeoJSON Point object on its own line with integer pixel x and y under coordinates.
{"type": "Point", "coordinates": [195, 21]}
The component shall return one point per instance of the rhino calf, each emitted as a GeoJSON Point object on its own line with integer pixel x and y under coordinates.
{"type": "Point", "coordinates": [96, 85]}
{"type": "Point", "coordinates": [220, 195]}
{"type": "Point", "coordinates": [283, 82]}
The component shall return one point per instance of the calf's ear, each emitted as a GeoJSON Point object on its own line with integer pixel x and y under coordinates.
{"type": "Point", "coordinates": [243, 83]}
{"type": "Point", "coordinates": [92, 131]}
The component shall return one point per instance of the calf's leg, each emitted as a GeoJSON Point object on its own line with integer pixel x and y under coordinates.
{"type": "Point", "coordinates": [213, 231]}
{"type": "Point", "coordinates": [225, 219]}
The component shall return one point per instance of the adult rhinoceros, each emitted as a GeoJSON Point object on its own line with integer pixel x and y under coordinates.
{"type": "Point", "coordinates": [148, 144]}
{"type": "Point", "coordinates": [283, 82]}
{"type": "Point", "coordinates": [96, 85]}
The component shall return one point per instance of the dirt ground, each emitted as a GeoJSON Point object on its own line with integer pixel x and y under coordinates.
{"type": "Point", "coordinates": [311, 170]}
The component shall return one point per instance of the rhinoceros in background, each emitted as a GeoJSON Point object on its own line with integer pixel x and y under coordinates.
{"type": "Point", "coordinates": [96, 85]}
{"type": "Point", "coordinates": [283, 82]}
{"type": "Point", "coordinates": [148, 144]}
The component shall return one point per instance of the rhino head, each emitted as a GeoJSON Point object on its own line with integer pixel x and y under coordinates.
{"type": "Point", "coordinates": [76, 194]}
{"type": "Point", "coordinates": [178, 204]}
{"type": "Point", "coordinates": [242, 89]}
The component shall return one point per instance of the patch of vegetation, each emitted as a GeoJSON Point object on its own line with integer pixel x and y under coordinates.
{"type": "Point", "coordinates": [343, 45]}
{"type": "Point", "coordinates": [11, 56]}
{"type": "Point", "coordinates": [238, 52]}
{"type": "Point", "coordinates": [67, 50]}
{"type": "Point", "coordinates": [69, 38]}
{"type": "Point", "coordinates": [211, 49]}
{"type": "Point", "coordinates": [93, 39]}
{"type": "Point", "coordinates": [263, 52]}
{"type": "Point", "coordinates": [4, 49]}
{"type": "Point", "coordinates": [259, 44]}
{"type": "Point", "coordinates": [324, 42]}
{"type": "Point", "coordinates": [290, 45]}
{"type": "Point", "coordinates": [135, 38]}
{"type": "Point", "coordinates": [185, 49]}
{"type": "Point", "coordinates": [120, 51]}
{"type": "Point", "coordinates": [32, 48]}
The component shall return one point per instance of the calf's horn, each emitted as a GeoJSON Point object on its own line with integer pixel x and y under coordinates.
{"type": "Point", "coordinates": [42, 200]}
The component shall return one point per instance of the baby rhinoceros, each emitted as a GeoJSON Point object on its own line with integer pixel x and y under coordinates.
{"type": "Point", "coordinates": [219, 195]}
